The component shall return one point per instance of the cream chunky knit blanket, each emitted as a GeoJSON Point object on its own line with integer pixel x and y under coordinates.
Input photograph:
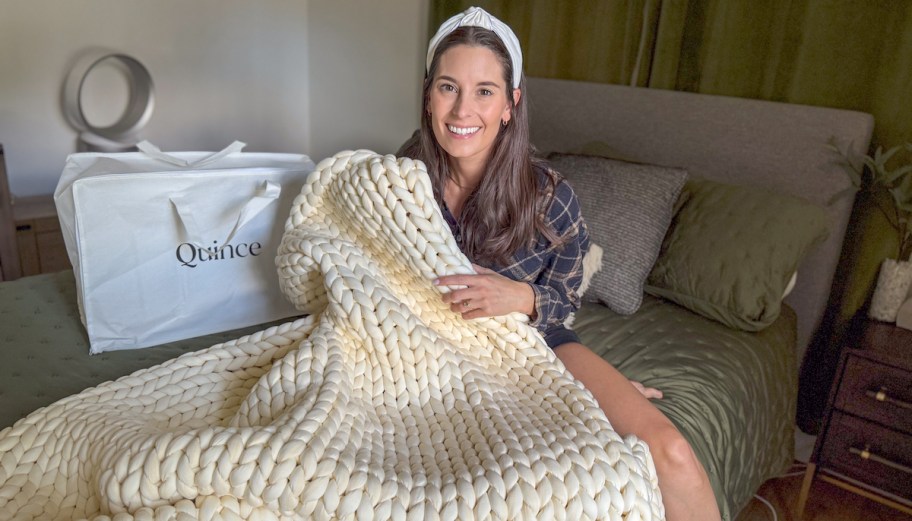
{"type": "Point", "coordinates": [382, 404]}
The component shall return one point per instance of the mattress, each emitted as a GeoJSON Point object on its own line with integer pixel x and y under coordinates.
{"type": "Point", "coordinates": [730, 393]}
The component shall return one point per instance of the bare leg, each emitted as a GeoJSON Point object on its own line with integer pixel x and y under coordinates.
{"type": "Point", "coordinates": [686, 491]}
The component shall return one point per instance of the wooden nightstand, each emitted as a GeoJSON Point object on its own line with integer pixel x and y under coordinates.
{"type": "Point", "coordinates": [38, 235]}
{"type": "Point", "coordinates": [865, 443]}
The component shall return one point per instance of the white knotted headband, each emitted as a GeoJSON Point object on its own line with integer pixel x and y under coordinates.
{"type": "Point", "coordinates": [478, 17]}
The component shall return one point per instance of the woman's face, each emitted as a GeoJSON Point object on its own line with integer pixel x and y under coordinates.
{"type": "Point", "coordinates": [467, 102]}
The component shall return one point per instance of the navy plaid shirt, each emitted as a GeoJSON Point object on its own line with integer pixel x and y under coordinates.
{"type": "Point", "coordinates": [554, 273]}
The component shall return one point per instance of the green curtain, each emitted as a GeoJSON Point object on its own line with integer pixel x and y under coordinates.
{"type": "Point", "coordinates": [579, 40]}
{"type": "Point", "coordinates": [852, 54]}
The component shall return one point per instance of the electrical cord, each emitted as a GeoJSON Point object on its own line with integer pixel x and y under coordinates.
{"type": "Point", "coordinates": [793, 473]}
{"type": "Point", "coordinates": [768, 505]}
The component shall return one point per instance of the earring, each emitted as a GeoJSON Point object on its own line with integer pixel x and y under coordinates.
{"type": "Point", "coordinates": [503, 123]}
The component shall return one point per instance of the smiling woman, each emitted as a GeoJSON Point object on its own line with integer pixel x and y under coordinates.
{"type": "Point", "coordinates": [480, 163]}
{"type": "Point", "coordinates": [520, 224]}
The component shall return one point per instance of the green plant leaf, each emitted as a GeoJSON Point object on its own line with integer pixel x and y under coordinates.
{"type": "Point", "coordinates": [902, 192]}
{"type": "Point", "coordinates": [878, 163]}
{"type": "Point", "coordinates": [904, 206]}
{"type": "Point", "coordinates": [890, 177]}
{"type": "Point", "coordinates": [889, 153]}
{"type": "Point", "coordinates": [854, 178]}
{"type": "Point", "coordinates": [853, 173]}
{"type": "Point", "coordinates": [877, 153]}
{"type": "Point", "coordinates": [843, 160]}
{"type": "Point", "coordinates": [872, 167]}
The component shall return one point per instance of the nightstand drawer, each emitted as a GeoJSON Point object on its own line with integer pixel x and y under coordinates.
{"type": "Point", "coordinates": [877, 392]}
{"type": "Point", "coordinates": [869, 453]}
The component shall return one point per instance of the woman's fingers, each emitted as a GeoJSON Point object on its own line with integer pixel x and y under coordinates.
{"type": "Point", "coordinates": [454, 280]}
{"type": "Point", "coordinates": [463, 280]}
{"type": "Point", "coordinates": [462, 306]}
{"type": "Point", "coordinates": [468, 303]}
{"type": "Point", "coordinates": [456, 296]}
{"type": "Point", "coordinates": [648, 392]}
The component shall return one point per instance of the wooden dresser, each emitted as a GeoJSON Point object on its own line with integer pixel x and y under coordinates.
{"type": "Point", "coordinates": [865, 443]}
{"type": "Point", "coordinates": [30, 238]}
{"type": "Point", "coordinates": [38, 236]}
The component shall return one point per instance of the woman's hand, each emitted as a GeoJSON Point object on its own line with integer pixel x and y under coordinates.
{"type": "Point", "coordinates": [487, 294]}
{"type": "Point", "coordinates": [648, 392]}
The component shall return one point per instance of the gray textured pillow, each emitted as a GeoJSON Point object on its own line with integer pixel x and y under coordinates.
{"type": "Point", "coordinates": [628, 208]}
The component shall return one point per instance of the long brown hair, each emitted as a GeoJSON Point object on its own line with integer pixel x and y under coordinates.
{"type": "Point", "coordinates": [506, 211]}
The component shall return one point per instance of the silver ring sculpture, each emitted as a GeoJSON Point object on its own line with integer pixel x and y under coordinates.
{"type": "Point", "coordinates": [123, 134]}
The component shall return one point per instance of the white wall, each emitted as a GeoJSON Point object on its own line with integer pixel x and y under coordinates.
{"type": "Point", "coordinates": [366, 70]}
{"type": "Point", "coordinates": [307, 76]}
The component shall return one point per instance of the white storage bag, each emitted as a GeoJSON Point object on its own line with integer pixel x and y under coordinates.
{"type": "Point", "coordinates": [172, 246]}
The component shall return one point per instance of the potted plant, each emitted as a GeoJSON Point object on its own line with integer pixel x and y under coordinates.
{"type": "Point", "coordinates": [889, 175]}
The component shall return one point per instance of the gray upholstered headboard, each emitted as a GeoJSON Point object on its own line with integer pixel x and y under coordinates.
{"type": "Point", "coordinates": [777, 146]}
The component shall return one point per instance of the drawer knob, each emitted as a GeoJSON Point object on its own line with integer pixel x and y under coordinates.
{"type": "Point", "coordinates": [867, 455]}
{"type": "Point", "coordinates": [882, 396]}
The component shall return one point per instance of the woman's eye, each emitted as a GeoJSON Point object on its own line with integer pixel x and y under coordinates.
{"type": "Point", "coordinates": [485, 92]}
{"type": "Point", "coordinates": [446, 87]}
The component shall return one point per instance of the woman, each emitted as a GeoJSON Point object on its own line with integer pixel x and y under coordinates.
{"type": "Point", "coordinates": [520, 224]}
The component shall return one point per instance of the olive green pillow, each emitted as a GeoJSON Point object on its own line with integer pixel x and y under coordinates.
{"type": "Point", "coordinates": [731, 250]}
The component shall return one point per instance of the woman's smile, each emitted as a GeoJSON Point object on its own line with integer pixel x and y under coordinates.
{"type": "Point", "coordinates": [463, 131]}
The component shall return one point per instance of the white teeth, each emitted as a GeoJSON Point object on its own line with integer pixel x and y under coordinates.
{"type": "Point", "coordinates": [463, 131]}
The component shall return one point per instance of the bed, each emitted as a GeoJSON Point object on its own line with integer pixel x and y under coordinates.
{"type": "Point", "coordinates": [731, 392]}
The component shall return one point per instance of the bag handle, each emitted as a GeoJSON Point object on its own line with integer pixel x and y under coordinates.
{"type": "Point", "coordinates": [264, 195]}
{"type": "Point", "coordinates": [155, 153]}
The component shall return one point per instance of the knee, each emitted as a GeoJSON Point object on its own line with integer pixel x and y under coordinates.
{"type": "Point", "coordinates": [673, 454]}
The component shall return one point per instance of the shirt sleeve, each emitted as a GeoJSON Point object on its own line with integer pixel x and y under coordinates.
{"type": "Point", "coordinates": [556, 288]}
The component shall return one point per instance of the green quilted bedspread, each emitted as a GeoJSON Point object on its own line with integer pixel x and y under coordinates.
{"type": "Point", "coordinates": [731, 393]}
{"type": "Point", "coordinates": [44, 350]}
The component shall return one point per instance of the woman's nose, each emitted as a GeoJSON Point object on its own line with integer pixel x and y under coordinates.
{"type": "Point", "coordinates": [461, 105]}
